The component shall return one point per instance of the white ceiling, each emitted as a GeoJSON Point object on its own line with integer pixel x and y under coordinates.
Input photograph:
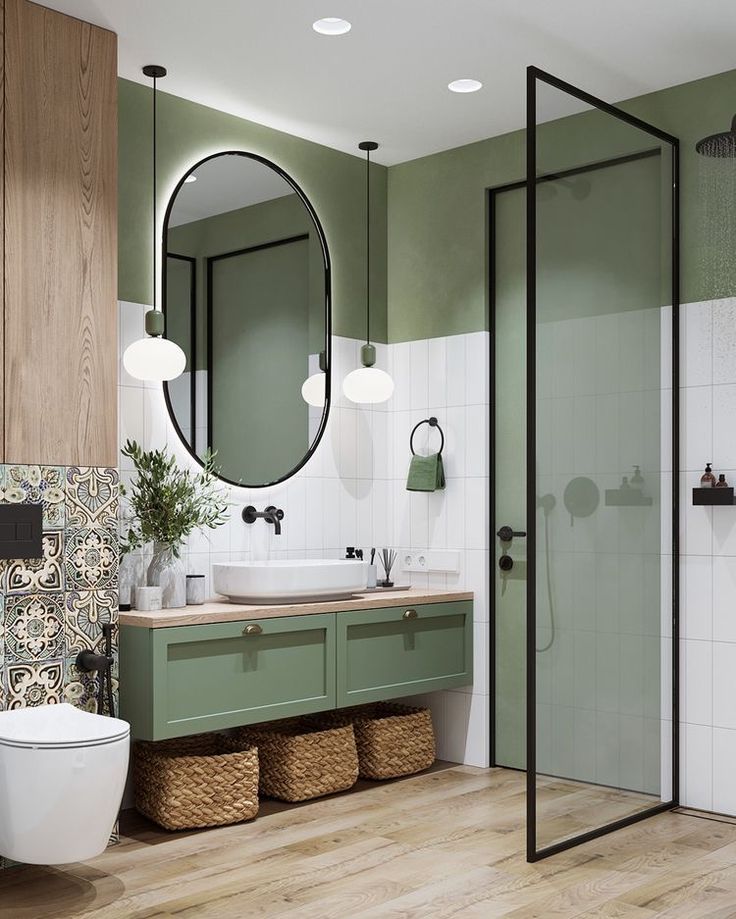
{"type": "Point", "coordinates": [386, 80]}
{"type": "Point", "coordinates": [224, 184]}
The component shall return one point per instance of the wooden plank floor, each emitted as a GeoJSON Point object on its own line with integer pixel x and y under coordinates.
{"type": "Point", "coordinates": [448, 843]}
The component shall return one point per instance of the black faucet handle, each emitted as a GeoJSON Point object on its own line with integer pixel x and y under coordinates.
{"type": "Point", "coordinates": [506, 534]}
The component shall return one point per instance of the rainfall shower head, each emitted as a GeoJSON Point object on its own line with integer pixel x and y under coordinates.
{"type": "Point", "coordinates": [722, 145]}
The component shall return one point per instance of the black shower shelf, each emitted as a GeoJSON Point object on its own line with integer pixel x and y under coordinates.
{"type": "Point", "coordinates": [712, 496]}
{"type": "Point", "coordinates": [618, 497]}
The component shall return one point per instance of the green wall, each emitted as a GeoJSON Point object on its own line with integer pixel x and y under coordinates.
{"type": "Point", "coordinates": [333, 181]}
{"type": "Point", "coordinates": [429, 220]}
{"type": "Point", "coordinates": [436, 207]}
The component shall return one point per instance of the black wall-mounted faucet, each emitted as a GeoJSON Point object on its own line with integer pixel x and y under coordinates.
{"type": "Point", "coordinates": [272, 514]}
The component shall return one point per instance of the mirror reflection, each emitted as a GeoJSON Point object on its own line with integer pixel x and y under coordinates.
{"type": "Point", "coordinates": [246, 297]}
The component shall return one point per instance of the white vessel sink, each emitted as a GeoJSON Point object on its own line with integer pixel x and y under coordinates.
{"type": "Point", "coordinates": [292, 581]}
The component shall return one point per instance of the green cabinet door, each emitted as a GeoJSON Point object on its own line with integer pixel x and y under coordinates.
{"type": "Point", "coordinates": [188, 679]}
{"type": "Point", "coordinates": [403, 651]}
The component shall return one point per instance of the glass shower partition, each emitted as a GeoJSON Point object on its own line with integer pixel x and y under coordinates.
{"type": "Point", "coordinates": [602, 298]}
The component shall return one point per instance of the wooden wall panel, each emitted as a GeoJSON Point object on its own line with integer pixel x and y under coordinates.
{"type": "Point", "coordinates": [2, 228]}
{"type": "Point", "coordinates": [60, 239]}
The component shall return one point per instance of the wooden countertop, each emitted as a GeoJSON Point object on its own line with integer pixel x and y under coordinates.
{"type": "Point", "coordinates": [223, 611]}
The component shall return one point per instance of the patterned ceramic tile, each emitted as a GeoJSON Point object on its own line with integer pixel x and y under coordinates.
{"type": "Point", "coordinates": [86, 611]}
{"type": "Point", "coordinates": [92, 497]}
{"type": "Point", "coordinates": [38, 485]}
{"type": "Point", "coordinates": [80, 688]}
{"type": "Point", "coordinates": [34, 684]}
{"type": "Point", "coordinates": [23, 575]}
{"type": "Point", "coordinates": [91, 558]}
{"type": "Point", "coordinates": [50, 608]}
{"type": "Point", "coordinates": [2, 639]}
{"type": "Point", "coordinates": [34, 627]}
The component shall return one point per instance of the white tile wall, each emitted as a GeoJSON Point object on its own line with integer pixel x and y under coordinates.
{"type": "Point", "coordinates": [354, 487]}
{"type": "Point", "coordinates": [708, 563]}
{"type": "Point", "coordinates": [352, 491]}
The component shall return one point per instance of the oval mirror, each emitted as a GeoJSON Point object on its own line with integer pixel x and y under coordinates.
{"type": "Point", "coordinates": [246, 294]}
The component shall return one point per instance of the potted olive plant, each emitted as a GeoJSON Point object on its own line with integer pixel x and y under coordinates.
{"type": "Point", "coordinates": [165, 505]}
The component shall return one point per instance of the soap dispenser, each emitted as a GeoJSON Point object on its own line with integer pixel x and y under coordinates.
{"type": "Point", "coordinates": [707, 479]}
{"type": "Point", "coordinates": [637, 479]}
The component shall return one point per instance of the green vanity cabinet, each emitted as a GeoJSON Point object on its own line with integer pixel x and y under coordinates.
{"type": "Point", "coordinates": [402, 651]}
{"type": "Point", "coordinates": [188, 679]}
{"type": "Point", "coordinates": [185, 679]}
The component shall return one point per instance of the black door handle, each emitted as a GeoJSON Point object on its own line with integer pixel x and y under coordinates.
{"type": "Point", "coordinates": [506, 534]}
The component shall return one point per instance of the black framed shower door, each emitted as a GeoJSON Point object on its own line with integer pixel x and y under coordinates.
{"type": "Point", "coordinates": [600, 689]}
{"type": "Point", "coordinates": [602, 297]}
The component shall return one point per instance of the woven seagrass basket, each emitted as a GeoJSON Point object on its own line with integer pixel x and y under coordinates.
{"type": "Point", "coordinates": [299, 760]}
{"type": "Point", "coordinates": [392, 739]}
{"type": "Point", "coordinates": [195, 782]}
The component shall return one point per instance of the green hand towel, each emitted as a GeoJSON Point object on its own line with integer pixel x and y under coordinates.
{"type": "Point", "coordinates": [426, 473]}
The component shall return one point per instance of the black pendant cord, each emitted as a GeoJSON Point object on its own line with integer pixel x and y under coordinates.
{"type": "Point", "coordinates": [368, 246]}
{"type": "Point", "coordinates": [154, 321]}
{"type": "Point", "coordinates": [368, 146]}
{"type": "Point", "coordinates": [153, 135]}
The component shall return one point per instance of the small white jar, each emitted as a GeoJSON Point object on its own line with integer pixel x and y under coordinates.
{"type": "Point", "coordinates": [195, 589]}
{"type": "Point", "coordinates": [148, 599]}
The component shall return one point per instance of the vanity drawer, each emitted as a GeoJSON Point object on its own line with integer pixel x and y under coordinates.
{"type": "Point", "coordinates": [188, 679]}
{"type": "Point", "coordinates": [403, 651]}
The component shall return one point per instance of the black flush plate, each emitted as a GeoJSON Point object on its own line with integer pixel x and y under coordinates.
{"type": "Point", "coordinates": [21, 531]}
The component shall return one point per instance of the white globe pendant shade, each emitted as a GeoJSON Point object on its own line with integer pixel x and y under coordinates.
{"type": "Point", "coordinates": [368, 385]}
{"type": "Point", "coordinates": [313, 390]}
{"type": "Point", "coordinates": [155, 359]}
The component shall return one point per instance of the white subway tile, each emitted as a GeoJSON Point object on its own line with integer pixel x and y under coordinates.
{"type": "Point", "coordinates": [419, 369]}
{"type": "Point", "coordinates": [476, 368]}
{"type": "Point", "coordinates": [456, 361]}
{"type": "Point", "coordinates": [437, 368]}
{"type": "Point", "coordinates": [697, 688]}
{"type": "Point", "coordinates": [724, 599]}
{"type": "Point", "coordinates": [724, 769]}
{"type": "Point", "coordinates": [724, 685]}
{"type": "Point", "coordinates": [724, 340]}
{"type": "Point", "coordinates": [696, 596]}
{"type": "Point", "coordinates": [696, 430]}
{"type": "Point", "coordinates": [724, 429]}
{"type": "Point", "coordinates": [476, 513]}
{"type": "Point", "coordinates": [696, 331]}
{"type": "Point", "coordinates": [696, 765]}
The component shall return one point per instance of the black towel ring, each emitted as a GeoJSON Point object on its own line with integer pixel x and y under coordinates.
{"type": "Point", "coordinates": [433, 423]}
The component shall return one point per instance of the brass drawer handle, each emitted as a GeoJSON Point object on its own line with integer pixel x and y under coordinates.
{"type": "Point", "coordinates": [252, 629]}
{"type": "Point", "coordinates": [411, 614]}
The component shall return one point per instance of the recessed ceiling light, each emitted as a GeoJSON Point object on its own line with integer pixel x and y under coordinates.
{"type": "Point", "coordinates": [331, 25]}
{"type": "Point", "coordinates": [464, 86]}
{"type": "Point", "coordinates": [189, 179]}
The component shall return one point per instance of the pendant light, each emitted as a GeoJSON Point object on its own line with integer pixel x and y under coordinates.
{"type": "Point", "coordinates": [368, 384]}
{"type": "Point", "coordinates": [313, 388]}
{"type": "Point", "coordinates": [154, 357]}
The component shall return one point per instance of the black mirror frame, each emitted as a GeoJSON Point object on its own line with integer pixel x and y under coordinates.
{"type": "Point", "coordinates": [328, 309]}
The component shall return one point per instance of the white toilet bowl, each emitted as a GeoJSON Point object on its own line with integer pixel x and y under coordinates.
{"type": "Point", "coordinates": [62, 776]}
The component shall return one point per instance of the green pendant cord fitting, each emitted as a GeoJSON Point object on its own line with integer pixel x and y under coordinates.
{"type": "Point", "coordinates": [323, 361]}
{"type": "Point", "coordinates": [368, 355]}
{"type": "Point", "coordinates": [154, 323]}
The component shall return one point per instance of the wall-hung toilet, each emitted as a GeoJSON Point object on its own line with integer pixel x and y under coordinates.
{"type": "Point", "coordinates": [62, 775]}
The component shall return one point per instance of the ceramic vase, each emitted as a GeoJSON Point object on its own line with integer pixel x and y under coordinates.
{"type": "Point", "coordinates": [167, 572]}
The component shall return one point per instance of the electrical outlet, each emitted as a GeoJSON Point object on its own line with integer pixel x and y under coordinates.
{"type": "Point", "coordinates": [431, 560]}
